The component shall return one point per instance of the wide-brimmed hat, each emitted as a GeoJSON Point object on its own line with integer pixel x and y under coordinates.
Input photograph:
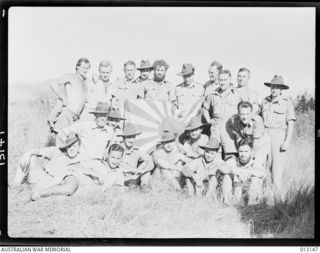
{"type": "Point", "coordinates": [167, 135]}
{"type": "Point", "coordinates": [115, 114]}
{"type": "Point", "coordinates": [101, 108]}
{"type": "Point", "coordinates": [194, 124]}
{"type": "Point", "coordinates": [187, 69]}
{"type": "Point", "coordinates": [145, 64]}
{"type": "Point", "coordinates": [213, 144]}
{"type": "Point", "coordinates": [129, 130]}
{"type": "Point", "coordinates": [71, 138]}
{"type": "Point", "coordinates": [277, 80]}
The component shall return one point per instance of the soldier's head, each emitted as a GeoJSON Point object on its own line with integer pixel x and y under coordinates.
{"type": "Point", "coordinates": [160, 68]}
{"type": "Point", "coordinates": [245, 150]}
{"type": "Point", "coordinates": [214, 70]}
{"type": "Point", "coordinates": [129, 69]}
{"type": "Point", "coordinates": [129, 135]}
{"type": "Point", "coordinates": [115, 154]}
{"type": "Point", "coordinates": [245, 111]}
{"type": "Point", "coordinates": [82, 67]}
{"type": "Point", "coordinates": [114, 118]}
{"type": "Point", "coordinates": [145, 69]}
{"type": "Point", "coordinates": [105, 70]}
{"type": "Point", "coordinates": [101, 114]}
{"type": "Point", "coordinates": [225, 79]}
{"type": "Point", "coordinates": [70, 145]}
{"type": "Point", "coordinates": [211, 149]}
{"type": "Point", "coordinates": [187, 73]}
{"type": "Point", "coordinates": [276, 90]}
{"type": "Point", "coordinates": [168, 140]}
{"type": "Point", "coordinates": [243, 77]}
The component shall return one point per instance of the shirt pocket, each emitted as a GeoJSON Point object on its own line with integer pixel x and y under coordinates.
{"type": "Point", "coordinates": [279, 116]}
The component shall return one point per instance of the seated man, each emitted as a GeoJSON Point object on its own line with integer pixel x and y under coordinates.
{"type": "Point", "coordinates": [54, 175]}
{"type": "Point", "coordinates": [246, 124]}
{"type": "Point", "coordinates": [245, 176]}
{"type": "Point", "coordinates": [202, 171]}
{"type": "Point", "coordinates": [192, 139]}
{"type": "Point", "coordinates": [113, 121]}
{"type": "Point", "coordinates": [136, 165]}
{"type": "Point", "coordinates": [168, 160]}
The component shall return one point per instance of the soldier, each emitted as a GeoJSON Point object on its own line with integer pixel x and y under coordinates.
{"type": "Point", "coordinates": [159, 89]}
{"type": "Point", "coordinates": [192, 139]}
{"type": "Point", "coordinates": [71, 90]}
{"type": "Point", "coordinates": [223, 104]}
{"type": "Point", "coordinates": [145, 71]}
{"type": "Point", "coordinates": [113, 121]}
{"type": "Point", "coordinates": [246, 93]}
{"type": "Point", "coordinates": [95, 135]}
{"type": "Point", "coordinates": [279, 116]}
{"type": "Point", "coordinates": [99, 91]}
{"type": "Point", "coordinates": [246, 125]}
{"type": "Point", "coordinates": [202, 171]}
{"type": "Point", "coordinates": [245, 176]}
{"type": "Point", "coordinates": [126, 88]}
{"type": "Point", "coordinates": [168, 160]}
{"type": "Point", "coordinates": [136, 165]}
{"type": "Point", "coordinates": [213, 84]}
{"type": "Point", "coordinates": [188, 92]}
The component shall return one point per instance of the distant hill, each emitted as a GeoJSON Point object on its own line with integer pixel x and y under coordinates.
{"type": "Point", "coordinates": [27, 92]}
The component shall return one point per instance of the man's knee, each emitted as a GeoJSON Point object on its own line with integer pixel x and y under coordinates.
{"type": "Point", "coordinates": [71, 185]}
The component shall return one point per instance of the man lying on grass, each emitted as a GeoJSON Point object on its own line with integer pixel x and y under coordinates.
{"type": "Point", "coordinates": [243, 183]}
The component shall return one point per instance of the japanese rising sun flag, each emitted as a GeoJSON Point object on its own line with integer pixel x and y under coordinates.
{"type": "Point", "coordinates": [152, 117]}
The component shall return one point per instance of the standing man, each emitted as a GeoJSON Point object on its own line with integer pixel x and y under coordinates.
{"type": "Point", "coordinates": [126, 88]}
{"type": "Point", "coordinates": [188, 92]}
{"type": "Point", "coordinates": [145, 71]}
{"type": "Point", "coordinates": [213, 84]}
{"type": "Point", "coordinates": [246, 93]}
{"type": "Point", "coordinates": [100, 91]}
{"type": "Point", "coordinates": [279, 116]}
{"type": "Point", "coordinates": [223, 105]}
{"type": "Point", "coordinates": [159, 89]}
{"type": "Point", "coordinates": [71, 90]}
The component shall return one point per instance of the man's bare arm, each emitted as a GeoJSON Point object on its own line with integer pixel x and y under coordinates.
{"type": "Point", "coordinates": [58, 87]}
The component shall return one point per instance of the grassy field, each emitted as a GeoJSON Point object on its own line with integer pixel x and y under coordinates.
{"type": "Point", "coordinates": [162, 213]}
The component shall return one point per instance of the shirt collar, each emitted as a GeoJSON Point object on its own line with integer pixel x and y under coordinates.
{"type": "Point", "coordinates": [275, 100]}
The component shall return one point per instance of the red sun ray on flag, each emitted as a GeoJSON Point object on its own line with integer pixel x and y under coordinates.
{"type": "Point", "coordinates": [152, 117]}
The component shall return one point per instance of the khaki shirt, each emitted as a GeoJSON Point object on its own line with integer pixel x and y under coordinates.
{"type": "Point", "coordinates": [186, 96]}
{"type": "Point", "coordinates": [132, 157]}
{"type": "Point", "coordinates": [210, 88]}
{"type": "Point", "coordinates": [277, 112]}
{"type": "Point", "coordinates": [174, 157]}
{"type": "Point", "coordinates": [159, 91]}
{"type": "Point", "coordinates": [224, 105]}
{"type": "Point", "coordinates": [192, 149]}
{"type": "Point", "coordinates": [98, 92]}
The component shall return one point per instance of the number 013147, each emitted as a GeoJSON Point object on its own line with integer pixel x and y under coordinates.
{"type": "Point", "coordinates": [308, 249]}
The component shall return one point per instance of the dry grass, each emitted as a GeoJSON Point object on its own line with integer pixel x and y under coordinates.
{"type": "Point", "coordinates": [162, 213]}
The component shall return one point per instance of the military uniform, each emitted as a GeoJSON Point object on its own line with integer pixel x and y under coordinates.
{"type": "Point", "coordinates": [250, 95]}
{"type": "Point", "coordinates": [224, 106]}
{"type": "Point", "coordinates": [159, 91]}
{"type": "Point", "coordinates": [276, 114]}
{"type": "Point", "coordinates": [191, 149]}
{"type": "Point", "coordinates": [210, 88]}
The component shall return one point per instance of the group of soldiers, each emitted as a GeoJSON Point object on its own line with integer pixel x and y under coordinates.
{"type": "Point", "coordinates": [229, 162]}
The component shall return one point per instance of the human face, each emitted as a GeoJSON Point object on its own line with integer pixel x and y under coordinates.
{"type": "Point", "coordinates": [275, 91]}
{"type": "Point", "coordinates": [213, 73]}
{"type": "Point", "coordinates": [209, 155]}
{"type": "Point", "coordinates": [73, 150]}
{"type": "Point", "coordinates": [113, 122]}
{"type": "Point", "coordinates": [243, 78]}
{"type": "Point", "coordinates": [83, 69]}
{"type": "Point", "coordinates": [244, 154]}
{"type": "Point", "coordinates": [245, 115]}
{"type": "Point", "coordinates": [105, 73]}
{"type": "Point", "coordinates": [144, 74]}
{"type": "Point", "coordinates": [160, 73]}
{"type": "Point", "coordinates": [129, 71]}
{"type": "Point", "coordinates": [168, 146]}
{"type": "Point", "coordinates": [114, 159]}
{"type": "Point", "coordinates": [187, 79]}
{"type": "Point", "coordinates": [195, 133]}
{"type": "Point", "coordinates": [101, 119]}
{"type": "Point", "coordinates": [224, 81]}
{"type": "Point", "coordinates": [129, 141]}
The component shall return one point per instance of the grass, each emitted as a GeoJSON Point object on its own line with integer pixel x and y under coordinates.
{"type": "Point", "coordinates": [162, 213]}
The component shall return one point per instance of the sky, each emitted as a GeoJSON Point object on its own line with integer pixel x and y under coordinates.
{"type": "Point", "coordinates": [45, 42]}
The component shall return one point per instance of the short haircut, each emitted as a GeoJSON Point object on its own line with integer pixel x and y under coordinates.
{"type": "Point", "coordinates": [81, 60]}
{"type": "Point", "coordinates": [216, 64]}
{"type": "Point", "coordinates": [244, 70]}
{"type": "Point", "coordinates": [160, 63]}
{"type": "Point", "coordinates": [105, 63]}
{"type": "Point", "coordinates": [116, 147]}
{"type": "Point", "coordinates": [129, 63]}
{"type": "Point", "coordinates": [225, 71]}
{"type": "Point", "coordinates": [245, 104]}
{"type": "Point", "coordinates": [245, 142]}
